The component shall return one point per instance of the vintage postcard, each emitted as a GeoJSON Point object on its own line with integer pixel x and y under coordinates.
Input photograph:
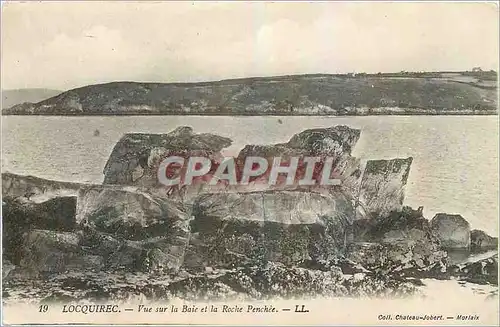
{"type": "Point", "coordinates": [250, 163]}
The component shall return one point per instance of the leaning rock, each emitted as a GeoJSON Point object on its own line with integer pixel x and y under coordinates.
{"type": "Point", "coordinates": [382, 187]}
{"type": "Point", "coordinates": [280, 226]}
{"type": "Point", "coordinates": [453, 231]}
{"type": "Point", "coordinates": [480, 241]}
{"type": "Point", "coordinates": [141, 222]}
{"type": "Point", "coordinates": [135, 158]}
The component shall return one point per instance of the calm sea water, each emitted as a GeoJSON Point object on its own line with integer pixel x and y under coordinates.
{"type": "Point", "coordinates": [455, 167]}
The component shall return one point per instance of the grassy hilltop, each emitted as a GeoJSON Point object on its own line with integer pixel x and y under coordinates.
{"type": "Point", "coordinates": [438, 93]}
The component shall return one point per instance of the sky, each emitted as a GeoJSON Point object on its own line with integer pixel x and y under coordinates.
{"type": "Point", "coordinates": [63, 45]}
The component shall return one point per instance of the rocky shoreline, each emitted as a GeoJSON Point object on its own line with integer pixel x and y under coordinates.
{"type": "Point", "coordinates": [132, 236]}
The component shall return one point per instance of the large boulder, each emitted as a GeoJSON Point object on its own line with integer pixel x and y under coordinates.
{"type": "Point", "coordinates": [281, 226]}
{"type": "Point", "coordinates": [50, 251]}
{"type": "Point", "coordinates": [55, 214]}
{"type": "Point", "coordinates": [402, 241]}
{"type": "Point", "coordinates": [453, 231]}
{"type": "Point", "coordinates": [117, 226]}
{"type": "Point", "coordinates": [382, 187]}
{"type": "Point", "coordinates": [123, 224]}
{"type": "Point", "coordinates": [399, 225]}
{"type": "Point", "coordinates": [480, 241]}
{"type": "Point", "coordinates": [136, 157]}
{"type": "Point", "coordinates": [20, 217]}
{"type": "Point", "coordinates": [335, 142]}
{"type": "Point", "coordinates": [36, 210]}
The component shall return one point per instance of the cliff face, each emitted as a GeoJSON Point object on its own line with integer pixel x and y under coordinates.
{"type": "Point", "coordinates": [286, 95]}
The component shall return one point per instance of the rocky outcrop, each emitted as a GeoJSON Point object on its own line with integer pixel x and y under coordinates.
{"type": "Point", "coordinates": [280, 226]}
{"type": "Point", "coordinates": [402, 241]}
{"type": "Point", "coordinates": [20, 217]}
{"type": "Point", "coordinates": [334, 142]}
{"type": "Point", "coordinates": [44, 237]}
{"type": "Point", "coordinates": [453, 231]}
{"type": "Point", "coordinates": [406, 224]}
{"type": "Point", "coordinates": [133, 226]}
{"type": "Point", "coordinates": [480, 241]}
{"type": "Point", "coordinates": [35, 189]}
{"type": "Point", "coordinates": [382, 187]}
{"type": "Point", "coordinates": [251, 237]}
{"type": "Point", "coordinates": [117, 227]}
{"type": "Point", "coordinates": [135, 158]}
{"type": "Point", "coordinates": [54, 214]}
{"type": "Point", "coordinates": [50, 251]}
{"type": "Point", "coordinates": [149, 226]}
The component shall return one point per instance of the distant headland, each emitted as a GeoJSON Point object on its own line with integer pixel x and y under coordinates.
{"type": "Point", "coordinates": [473, 92]}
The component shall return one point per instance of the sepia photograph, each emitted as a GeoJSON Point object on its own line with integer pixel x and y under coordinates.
{"type": "Point", "coordinates": [250, 163]}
